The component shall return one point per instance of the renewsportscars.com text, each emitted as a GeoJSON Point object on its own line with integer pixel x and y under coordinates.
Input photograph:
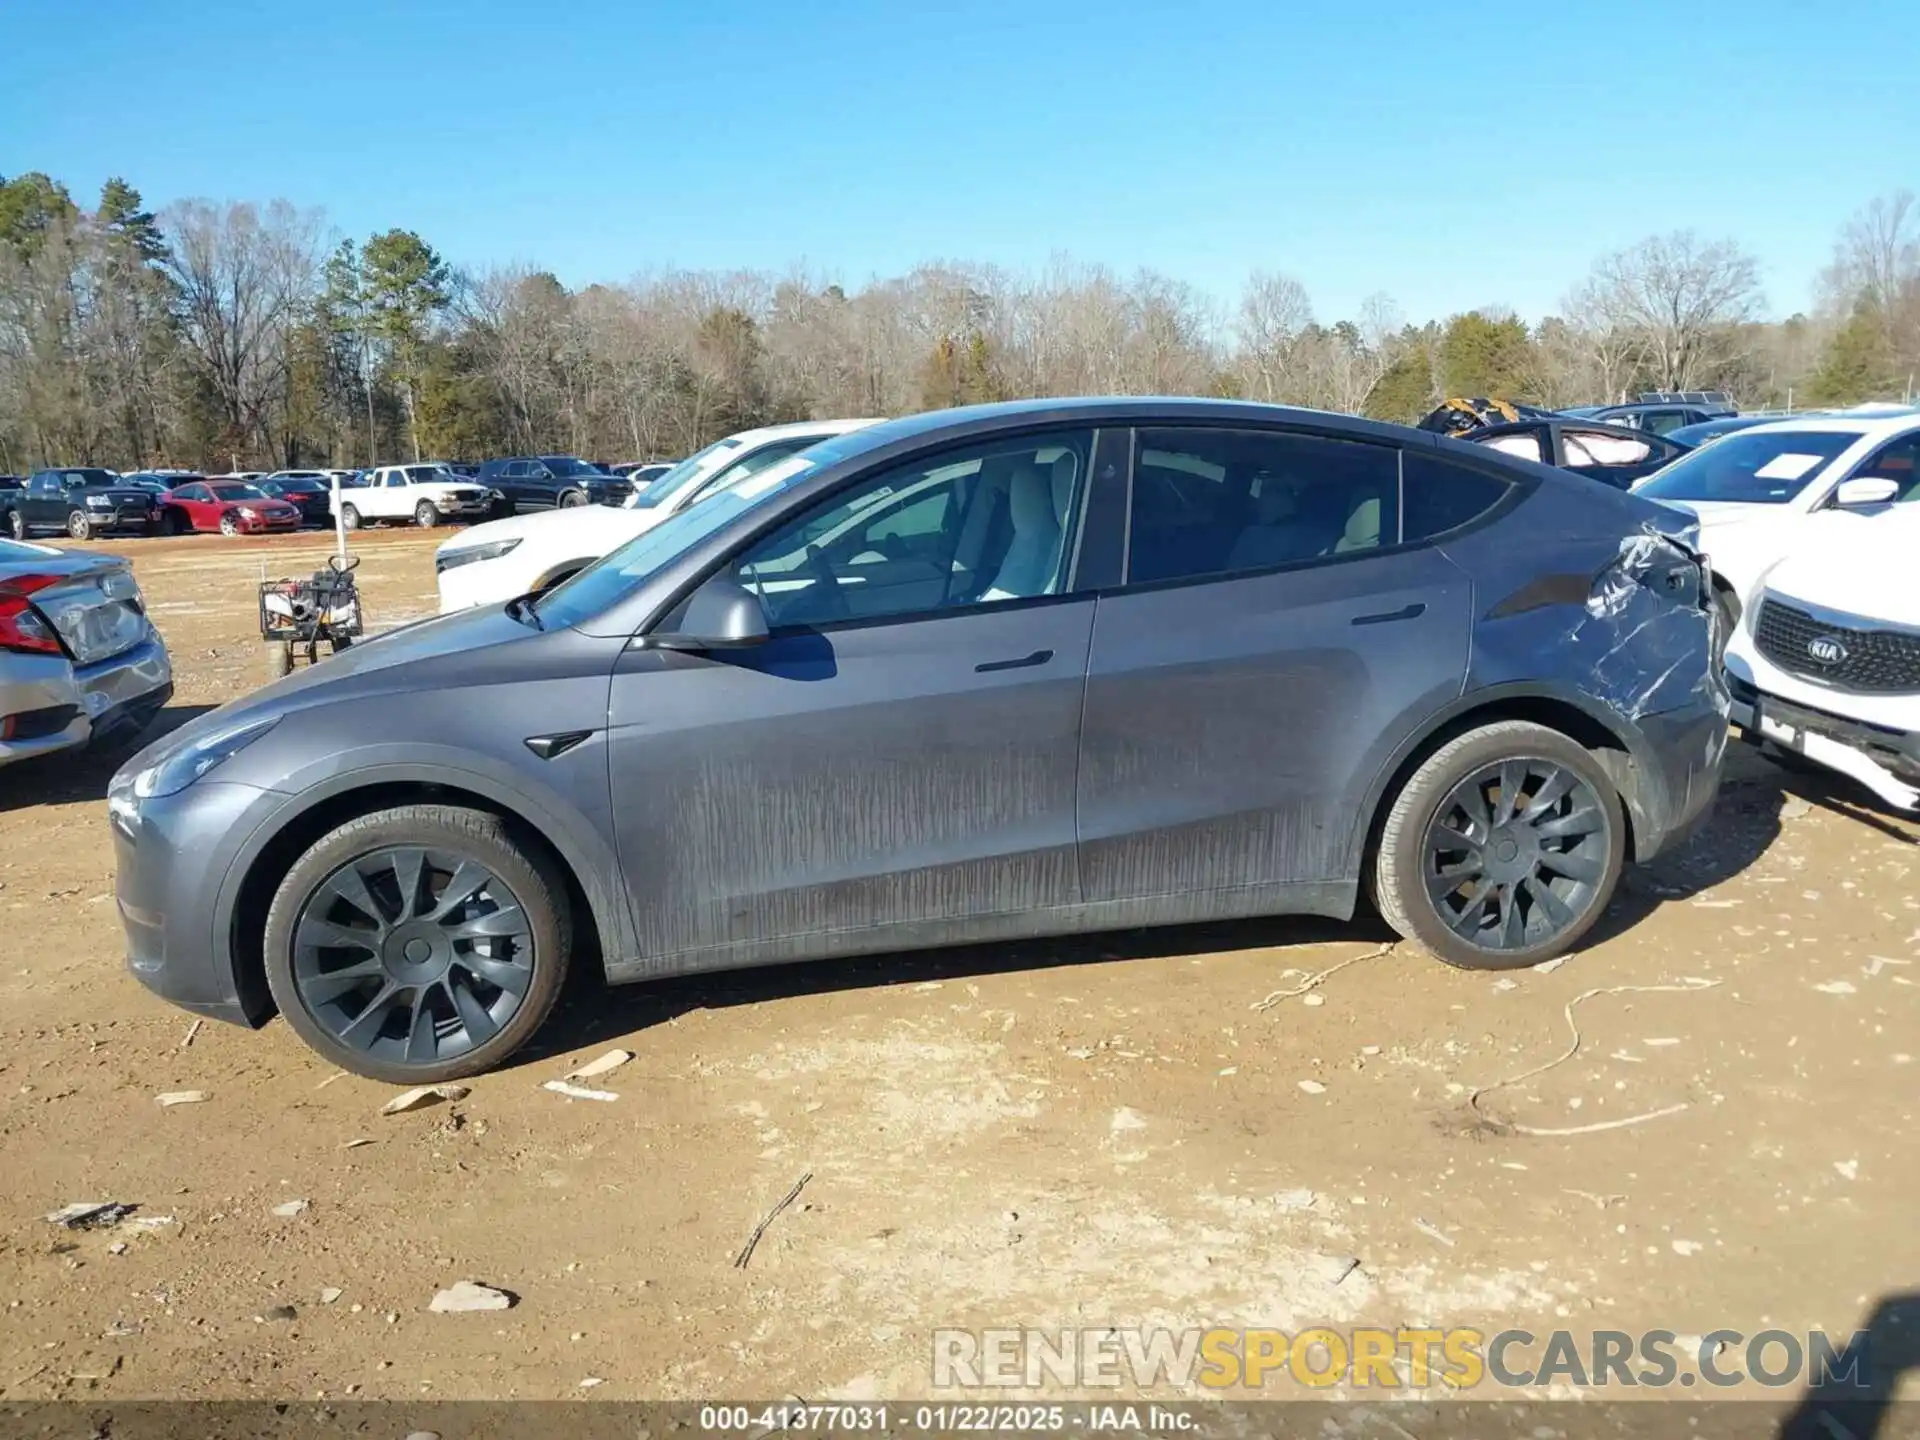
{"type": "Point", "coordinates": [1376, 1358]}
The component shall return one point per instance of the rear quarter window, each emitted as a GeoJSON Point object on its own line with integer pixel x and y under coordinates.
{"type": "Point", "coordinates": [1439, 495]}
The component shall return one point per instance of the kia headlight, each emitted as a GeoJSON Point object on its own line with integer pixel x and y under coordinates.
{"type": "Point", "coordinates": [467, 554]}
{"type": "Point", "coordinates": [173, 772]}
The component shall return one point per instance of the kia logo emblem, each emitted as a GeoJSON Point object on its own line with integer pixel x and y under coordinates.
{"type": "Point", "coordinates": [1826, 649]}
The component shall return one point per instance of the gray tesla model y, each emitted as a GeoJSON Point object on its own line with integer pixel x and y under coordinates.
{"type": "Point", "coordinates": [989, 673]}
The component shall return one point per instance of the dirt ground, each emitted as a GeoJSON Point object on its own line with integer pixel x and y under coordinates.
{"type": "Point", "coordinates": [1099, 1131]}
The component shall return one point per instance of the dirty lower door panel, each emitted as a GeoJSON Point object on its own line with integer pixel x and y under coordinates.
{"type": "Point", "coordinates": [1234, 726]}
{"type": "Point", "coordinates": [898, 773]}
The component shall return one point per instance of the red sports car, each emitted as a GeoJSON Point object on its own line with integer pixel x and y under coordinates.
{"type": "Point", "coordinates": [229, 507]}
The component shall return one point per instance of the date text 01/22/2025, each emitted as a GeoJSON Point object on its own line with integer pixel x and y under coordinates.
{"type": "Point", "coordinates": [942, 1419]}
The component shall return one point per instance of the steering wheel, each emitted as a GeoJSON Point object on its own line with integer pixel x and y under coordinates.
{"type": "Point", "coordinates": [831, 601]}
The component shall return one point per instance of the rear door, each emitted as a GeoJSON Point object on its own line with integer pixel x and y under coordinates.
{"type": "Point", "coordinates": [899, 758]}
{"type": "Point", "coordinates": [1275, 639]}
{"type": "Point", "coordinates": [45, 500]}
{"type": "Point", "coordinates": [197, 501]}
{"type": "Point", "coordinates": [1617, 460]}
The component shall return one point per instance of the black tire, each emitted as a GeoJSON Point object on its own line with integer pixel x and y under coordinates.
{"type": "Point", "coordinates": [228, 525]}
{"type": "Point", "coordinates": [571, 499]}
{"type": "Point", "coordinates": [17, 525]}
{"type": "Point", "coordinates": [425, 516]}
{"type": "Point", "coordinates": [1412, 832]}
{"type": "Point", "coordinates": [79, 525]}
{"type": "Point", "coordinates": [529, 880]}
{"type": "Point", "coordinates": [279, 661]}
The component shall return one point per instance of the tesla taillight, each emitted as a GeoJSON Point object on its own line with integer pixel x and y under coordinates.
{"type": "Point", "coordinates": [21, 626]}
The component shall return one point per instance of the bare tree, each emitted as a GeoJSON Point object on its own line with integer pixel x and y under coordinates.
{"type": "Point", "coordinates": [1274, 310]}
{"type": "Point", "coordinates": [245, 278]}
{"type": "Point", "coordinates": [1679, 301]}
{"type": "Point", "coordinates": [1877, 256]}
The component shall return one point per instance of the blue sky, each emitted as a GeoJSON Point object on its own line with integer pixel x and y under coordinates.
{"type": "Point", "coordinates": [1449, 154]}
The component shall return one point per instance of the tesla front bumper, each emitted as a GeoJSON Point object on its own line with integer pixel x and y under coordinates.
{"type": "Point", "coordinates": [173, 856]}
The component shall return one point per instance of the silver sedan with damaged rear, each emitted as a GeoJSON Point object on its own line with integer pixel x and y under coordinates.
{"type": "Point", "coordinates": [79, 660]}
{"type": "Point", "coordinates": [980, 674]}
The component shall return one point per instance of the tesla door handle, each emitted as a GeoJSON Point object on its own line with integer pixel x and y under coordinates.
{"type": "Point", "coordinates": [1405, 612]}
{"type": "Point", "coordinates": [1038, 657]}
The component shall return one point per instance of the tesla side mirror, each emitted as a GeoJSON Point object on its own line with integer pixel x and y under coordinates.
{"type": "Point", "coordinates": [1865, 490]}
{"type": "Point", "coordinates": [721, 615]}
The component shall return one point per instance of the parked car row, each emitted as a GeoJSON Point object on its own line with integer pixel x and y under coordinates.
{"type": "Point", "coordinates": [1240, 659]}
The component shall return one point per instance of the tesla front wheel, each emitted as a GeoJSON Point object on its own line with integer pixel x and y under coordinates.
{"type": "Point", "coordinates": [418, 944]}
{"type": "Point", "coordinates": [1502, 849]}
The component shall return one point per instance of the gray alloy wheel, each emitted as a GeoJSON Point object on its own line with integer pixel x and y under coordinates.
{"type": "Point", "coordinates": [79, 525]}
{"type": "Point", "coordinates": [350, 517]}
{"type": "Point", "coordinates": [1502, 849]}
{"type": "Point", "coordinates": [418, 944]}
{"type": "Point", "coordinates": [228, 525]}
{"type": "Point", "coordinates": [425, 516]}
{"type": "Point", "coordinates": [572, 499]}
{"type": "Point", "coordinates": [17, 524]}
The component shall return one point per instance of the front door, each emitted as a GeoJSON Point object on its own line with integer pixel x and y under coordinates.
{"type": "Point", "coordinates": [898, 760]}
{"type": "Point", "coordinates": [1274, 642]}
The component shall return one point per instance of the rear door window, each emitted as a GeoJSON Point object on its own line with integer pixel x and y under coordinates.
{"type": "Point", "coordinates": [1524, 443]}
{"type": "Point", "coordinates": [1209, 502]}
{"type": "Point", "coordinates": [1587, 449]}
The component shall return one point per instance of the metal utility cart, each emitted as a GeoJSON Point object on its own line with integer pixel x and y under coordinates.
{"type": "Point", "coordinates": [302, 615]}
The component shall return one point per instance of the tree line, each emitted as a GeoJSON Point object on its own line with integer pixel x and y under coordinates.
{"type": "Point", "coordinates": [237, 335]}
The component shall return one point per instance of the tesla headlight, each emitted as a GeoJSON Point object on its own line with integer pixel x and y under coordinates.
{"type": "Point", "coordinates": [174, 772]}
{"type": "Point", "coordinates": [453, 559]}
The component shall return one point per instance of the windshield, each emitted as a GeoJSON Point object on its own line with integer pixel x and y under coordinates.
{"type": "Point", "coordinates": [302, 484]}
{"type": "Point", "coordinates": [1750, 468]}
{"type": "Point", "coordinates": [236, 492]}
{"type": "Point", "coordinates": [608, 578]}
{"type": "Point", "coordinates": [430, 475]}
{"type": "Point", "coordinates": [682, 475]}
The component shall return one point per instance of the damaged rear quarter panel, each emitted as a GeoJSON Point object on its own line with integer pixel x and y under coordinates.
{"type": "Point", "coordinates": [1594, 595]}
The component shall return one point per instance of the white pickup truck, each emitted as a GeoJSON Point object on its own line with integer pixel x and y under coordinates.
{"type": "Point", "coordinates": [424, 494]}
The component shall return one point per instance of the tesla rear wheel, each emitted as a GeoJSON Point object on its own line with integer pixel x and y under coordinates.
{"type": "Point", "coordinates": [79, 525]}
{"type": "Point", "coordinates": [418, 944]}
{"type": "Point", "coordinates": [1502, 849]}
